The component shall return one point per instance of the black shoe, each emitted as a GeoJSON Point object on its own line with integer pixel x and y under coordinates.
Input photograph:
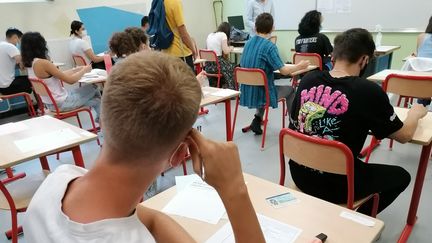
{"type": "Point", "coordinates": [256, 125]}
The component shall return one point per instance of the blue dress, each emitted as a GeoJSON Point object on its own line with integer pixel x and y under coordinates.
{"type": "Point", "coordinates": [263, 54]}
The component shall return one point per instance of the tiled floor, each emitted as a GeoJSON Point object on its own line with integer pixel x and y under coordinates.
{"type": "Point", "coordinates": [265, 164]}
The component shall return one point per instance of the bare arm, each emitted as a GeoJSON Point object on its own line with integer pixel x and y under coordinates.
{"type": "Point", "coordinates": [90, 54]}
{"type": "Point", "coordinates": [223, 171]}
{"type": "Point", "coordinates": [184, 35]}
{"type": "Point", "coordinates": [225, 48]}
{"type": "Point", "coordinates": [406, 133]}
{"type": "Point", "coordinates": [162, 227]}
{"type": "Point", "coordinates": [287, 70]}
{"type": "Point", "coordinates": [18, 61]}
{"type": "Point", "coordinates": [45, 68]}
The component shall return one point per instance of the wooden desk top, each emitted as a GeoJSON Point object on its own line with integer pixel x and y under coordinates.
{"type": "Point", "coordinates": [213, 99]}
{"type": "Point", "coordinates": [384, 50]}
{"type": "Point", "coordinates": [237, 50]}
{"type": "Point", "coordinates": [423, 134]}
{"type": "Point", "coordinates": [309, 68]}
{"type": "Point", "coordinates": [35, 127]}
{"type": "Point", "coordinates": [199, 60]}
{"type": "Point", "coordinates": [381, 76]}
{"type": "Point", "coordinates": [310, 214]}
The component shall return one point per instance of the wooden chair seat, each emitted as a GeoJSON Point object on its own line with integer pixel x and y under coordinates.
{"type": "Point", "coordinates": [22, 190]}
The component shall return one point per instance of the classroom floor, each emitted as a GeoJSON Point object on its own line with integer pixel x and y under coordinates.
{"type": "Point", "coordinates": [265, 164]}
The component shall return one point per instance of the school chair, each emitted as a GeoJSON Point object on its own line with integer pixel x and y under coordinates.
{"type": "Point", "coordinates": [27, 98]}
{"type": "Point", "coordinates": [256, 77]}
{"type": "Point", "coordinates": [313, 58]}
{"type": "Point", "coordinates": [16, 196]}
{"type": "Point", "coordinates": [210, 56]}
{"type": "Point", "coordinates": [79, 60]}
{"type": "Point", "coordinates": [41, 89]}
{"type": "Point", "coordinates": [404, 85]}
{"type": "Point", "coordinates": [108, 63]}
{"type": "Point", "coordinates": [324, 155]}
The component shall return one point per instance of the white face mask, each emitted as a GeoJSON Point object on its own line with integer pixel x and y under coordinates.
{"type": "Point", "coordinates": [84, 33]}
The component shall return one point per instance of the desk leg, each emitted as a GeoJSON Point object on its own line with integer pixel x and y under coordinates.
{"type": "Point", "coordinates": [415, 198]}
{"type": "Point", "coordinates": [44, 163]}
{"type": "Point", "coordinates": [76, 152]}
{"type": "Point", "coordinates": [229, 134]}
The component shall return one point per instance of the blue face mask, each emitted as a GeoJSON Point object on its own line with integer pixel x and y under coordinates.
{"type": "Point", "coordinates": [18, 45]}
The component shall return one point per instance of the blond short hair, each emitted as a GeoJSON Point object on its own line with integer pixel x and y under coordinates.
{"type": "Point", "coordinates": [149, 104]}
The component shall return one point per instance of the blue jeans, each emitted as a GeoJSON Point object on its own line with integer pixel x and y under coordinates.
{"type": "Point", "coordinates": [87, 95]}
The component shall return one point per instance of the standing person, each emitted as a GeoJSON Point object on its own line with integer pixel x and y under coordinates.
{"type": "Point", "coordinates": [10, 59]}
{"type": "Point", "coordinates": [150, 104]}
{"type": "Point", "coordinates": [332, 105]}
{"type": "Point", "coordinates": [35, 59]}
{"type": "Point", "coordinates": [145, 24]}
{"type": "Point", "coordinates": [182, 45]}
{"type": "Point", "coordinates": [255, 8]}
{"type": "Point", "coordinates": [424, 49]}
{"type": "Point", "coordinates": [218, 42]}
{"type": "Point", "coordinates": [260, 52]}
{"type": "Point", "coordinates": [80, 47]}
{"type": "Point", "coordinates": [311, 40]}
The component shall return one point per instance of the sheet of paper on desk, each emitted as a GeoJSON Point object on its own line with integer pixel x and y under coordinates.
{"type": "Point", "coordinates": [274, 232]}
{"type": "Point", "coordinates": [197, 201]}
{"type": "Point", "coordinates": [50, 139]}
{"type": "Point", "coordinates": [224, 92]}
{"type": "Point", "coordinates": [183, 181]}
{"type": "Point", "coordinates": [12, 127]}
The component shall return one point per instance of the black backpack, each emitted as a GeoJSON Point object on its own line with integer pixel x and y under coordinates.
{"type": "Point", "coordinates": [160, 33]}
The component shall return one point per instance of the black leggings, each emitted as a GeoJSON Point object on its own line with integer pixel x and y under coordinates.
{"type": "Point", "coordinates": [387, 180]}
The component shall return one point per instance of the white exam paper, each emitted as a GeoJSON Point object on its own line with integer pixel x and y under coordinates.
{"type": "Point", "coordinates": [224, 92]}
{"type": "Point", "coordinates": [51, 139]}
{"type": "Point", "coordinates": [274, 232]}
{"type": "Point", "coordinates": [12, 127]}
{"type": "Point", "coordinates": [197, 201]}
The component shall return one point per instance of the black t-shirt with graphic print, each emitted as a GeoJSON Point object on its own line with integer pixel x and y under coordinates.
{"type": "Point", "coordinates": [342, 109]}
{"type": "Point", "coordinates": [318, 43]}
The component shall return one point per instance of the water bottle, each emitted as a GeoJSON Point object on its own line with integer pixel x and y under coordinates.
{"type": "Point", "coordinates": [378, 37]}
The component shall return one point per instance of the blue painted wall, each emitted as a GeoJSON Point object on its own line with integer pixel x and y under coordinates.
{"type": "Point", "coordinates": [102, 22]}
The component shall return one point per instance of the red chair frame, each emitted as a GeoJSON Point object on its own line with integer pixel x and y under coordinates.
{"type": "Point", "coordinates": [27, 99]}
{"type": "Point", "coordinates": [210, 56]}
{"type": "Point", "coordinates": [40, 87]}
{"type": "Point", "coordinates": [306, 56]}
{"type": "Point", "coordinates": [81, 60]}
{"type": "Point", "coordinates": [267, 104]}
{"type": "Point", "coordinates": [349, 163]}
{"type": "Point", "coordinates": [374, 142]}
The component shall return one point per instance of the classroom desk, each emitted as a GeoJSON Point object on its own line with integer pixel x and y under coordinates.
{"type": "Point", "coordinates": [36, 127]}
{"type": "Point", "coordinates": [209, 99]}
{"type": "Point", "coordinates": [382, 75]}
{"type": "Point", "coordinates": [423, 137]}
{"type": "Point", "coordinates": [310, 214]}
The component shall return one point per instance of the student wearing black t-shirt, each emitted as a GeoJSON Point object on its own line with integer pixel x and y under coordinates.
{"type": "Point", "coordinates": [311, 40]}
{"type": "Point", "coordinates": [339, 105]}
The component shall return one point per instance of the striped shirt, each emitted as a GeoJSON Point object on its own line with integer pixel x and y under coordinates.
{"type": "Point", "coordinates": [263, 54]}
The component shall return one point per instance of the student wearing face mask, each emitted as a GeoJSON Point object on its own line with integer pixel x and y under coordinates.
{"type": "Point", "coordinates": [80, 47]}
{"type": "Point", "coordinates": [341, 105]}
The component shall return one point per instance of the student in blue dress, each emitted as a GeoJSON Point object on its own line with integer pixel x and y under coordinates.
{"type": "Point", "coordinates": [424, 49]}
{"type": "Point", "coordinates": [260, 52]}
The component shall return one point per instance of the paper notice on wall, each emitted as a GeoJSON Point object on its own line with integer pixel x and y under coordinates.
{"type": "Point", "coordinates": [325, 6]}
{"type": "Point", "coordinates": [342, 6]}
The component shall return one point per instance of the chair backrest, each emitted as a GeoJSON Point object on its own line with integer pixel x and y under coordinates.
{"type": "Point", "coordinates": [108, 63]}
{"type": "Point", "coordinates": [209, 55]}
{"type": "Point", "coordinates": [408, 85]}
{"type": "Point", "coordinates": [317, 153]}
{"type": "Point", "coordinates": [253, 77]}
{"type": "Point", "coordinates": [79, 60]}
{"type": "Point", "coordinates": [41, 89]}
{"type": "Point", "coordinates": [313, 58]}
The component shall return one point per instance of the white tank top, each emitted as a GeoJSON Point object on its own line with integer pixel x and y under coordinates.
{"type": "Point", "coordinates": [45, 221]}
{"type": "Point", "coordinates": [58, 92]}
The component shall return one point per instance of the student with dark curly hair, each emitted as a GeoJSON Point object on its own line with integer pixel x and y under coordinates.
{"type": "Point", "coordinates": [139, 37]}
{"type": "Point", "coordinates": [35, 58]}
{"type": "Point", "coordinates": [122, 45]}
{"type": "Point", "coordinates": [311, 40]}
{"type": "Point", "coordinates": [218, 42]}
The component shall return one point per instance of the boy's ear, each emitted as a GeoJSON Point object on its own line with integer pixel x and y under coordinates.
{"type": "Point", "coordinates": [179, 155]}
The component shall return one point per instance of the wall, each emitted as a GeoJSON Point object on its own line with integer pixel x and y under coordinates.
{"type": "Point", "coordinates": [53, 19]}
{"type": "Point", "coordinates": [407, 41]}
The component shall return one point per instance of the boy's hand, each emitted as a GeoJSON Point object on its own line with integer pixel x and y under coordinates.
{"type": "Point", "coordinates": [218, 163]}
{"type": "Point", "coordinates": [418, 111]}
{"type": "Point", "coordinates": [303, 64]}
